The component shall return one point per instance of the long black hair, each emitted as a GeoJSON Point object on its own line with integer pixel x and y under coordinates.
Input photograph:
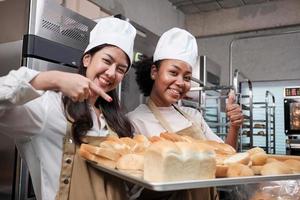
{"type": "Point", "coordinates": [78, 113]}
{"type": "Point", "coordinates": [143, 74]}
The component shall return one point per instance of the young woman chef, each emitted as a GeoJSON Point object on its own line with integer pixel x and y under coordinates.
{"type": "Point", "coordinates": [50, 113]}
{"type": "Point", "coordinates": [166, 79]}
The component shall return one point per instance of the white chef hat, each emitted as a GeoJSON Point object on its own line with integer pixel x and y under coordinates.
{"type": "Point", "coordinates": [113, 31]}
{"type": "Point", "coordinates": [177, 44]}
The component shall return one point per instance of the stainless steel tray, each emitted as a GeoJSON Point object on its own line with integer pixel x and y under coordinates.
{"type": "Point", "coordinates": [181, 185]}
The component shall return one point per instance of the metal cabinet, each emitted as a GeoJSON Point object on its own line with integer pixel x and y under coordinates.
{"type": "Point", "coordinates": [258, 128]}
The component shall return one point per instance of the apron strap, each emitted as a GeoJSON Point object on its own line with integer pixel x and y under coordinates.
{"type": "Point", "coordinates": [196, 126]}
{"type": "Point", "coordinates": [69, 150]}
{"type": "Point", "coordinates": [151, 105]}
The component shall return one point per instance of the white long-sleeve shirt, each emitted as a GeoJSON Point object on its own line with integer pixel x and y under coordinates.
{"type": "Point", "coordinates": [145, 122]}
{"type": "Point", "coordinates": [36, 120]}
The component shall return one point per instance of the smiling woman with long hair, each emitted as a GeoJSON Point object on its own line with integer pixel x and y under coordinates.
{"type": "Point", "coordinates": [49, 114]}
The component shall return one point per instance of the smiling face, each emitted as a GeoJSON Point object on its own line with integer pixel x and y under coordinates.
{"type": "Point", "coordinates": [172, 80]}
{"type": "Point", "coordinates": [107, 67]}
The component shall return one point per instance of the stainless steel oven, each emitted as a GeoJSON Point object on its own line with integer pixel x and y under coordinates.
{"type": "Point", "coordinates": [292, 119]}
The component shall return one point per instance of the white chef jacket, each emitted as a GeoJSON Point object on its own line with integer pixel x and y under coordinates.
{"type": "Point", "coordinates": [145, 122]}
{"type": "Point", "coordinates": [36, 120]}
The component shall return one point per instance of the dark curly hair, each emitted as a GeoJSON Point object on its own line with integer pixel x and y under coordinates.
{"type": "Point", "coordinates": [143, 74]}
{"type": "Point", "coordinates": [79, 112]}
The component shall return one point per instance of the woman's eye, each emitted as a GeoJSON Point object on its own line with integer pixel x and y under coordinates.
{"type": "Point", "coordinates": [121, 70]}
{"type": "Point", "coordinates": [187, 78]}
{"type": "Point", "coordinates": [173, 73]}
{"type": "Point", "coordinates": [106, 61]}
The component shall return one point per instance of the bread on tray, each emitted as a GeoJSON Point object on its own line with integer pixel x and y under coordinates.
{"type": "Point", "coordinates": [173, 157]}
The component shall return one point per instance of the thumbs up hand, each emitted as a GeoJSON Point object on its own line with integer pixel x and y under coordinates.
{"type": "Point", "coordinates": [234, 111]}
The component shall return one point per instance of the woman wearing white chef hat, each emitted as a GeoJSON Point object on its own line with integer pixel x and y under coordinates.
{"type": "Point", "coordinates": [166, 79]}
{"type": "Point", "coordinates": [50, 113]}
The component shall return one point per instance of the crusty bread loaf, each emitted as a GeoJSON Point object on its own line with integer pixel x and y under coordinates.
{"type": "Point", "coordinates": [99, 160]}
{"type": "Point", "coordinates": [275, 168]}
{"type": "Point", "coordinates": [238, 169]}
{"type": "Point", "coordinates": [131, 162]}
{"type": "Point", "coordinates": [293, 164]}
{"type": "Point", "coordinates": [242, 158]}
{"type": "Point", "coordinates": [100, 151]}
{"type": "Point", "coordinates": [169, 161]}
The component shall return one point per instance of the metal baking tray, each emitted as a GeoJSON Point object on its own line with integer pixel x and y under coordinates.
{"type": "Point", "coordinates": [181, 185]}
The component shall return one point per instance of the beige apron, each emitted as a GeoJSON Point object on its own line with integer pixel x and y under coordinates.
{"type": "Point", "coordinates": [78, 180]}
{"type": "Point", "coordinates": [194, 131]}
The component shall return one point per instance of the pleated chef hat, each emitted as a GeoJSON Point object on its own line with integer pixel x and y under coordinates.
{"type": "Point", "coordinates": [113, 31]}
{"type": "Point", "coordinates": [177, 44]}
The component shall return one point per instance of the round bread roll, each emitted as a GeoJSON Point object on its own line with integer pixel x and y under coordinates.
{"type": "Point", "coordinates": [256, 169]}
{"type": "Point", "coordinates": [275, 168]}
{"type": "Point", "coordinates": [242, 158]}
{"type": "Point", "coordinates": [255, 150]}
{"type": "Point", "coordinates": [141, 139]}
{"type": "Point", "coordinates": [236, 170]}
{"type": "Point", "coordinates": [259, 158]}
{"type": "Point", "coordinates": [293, 164]}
